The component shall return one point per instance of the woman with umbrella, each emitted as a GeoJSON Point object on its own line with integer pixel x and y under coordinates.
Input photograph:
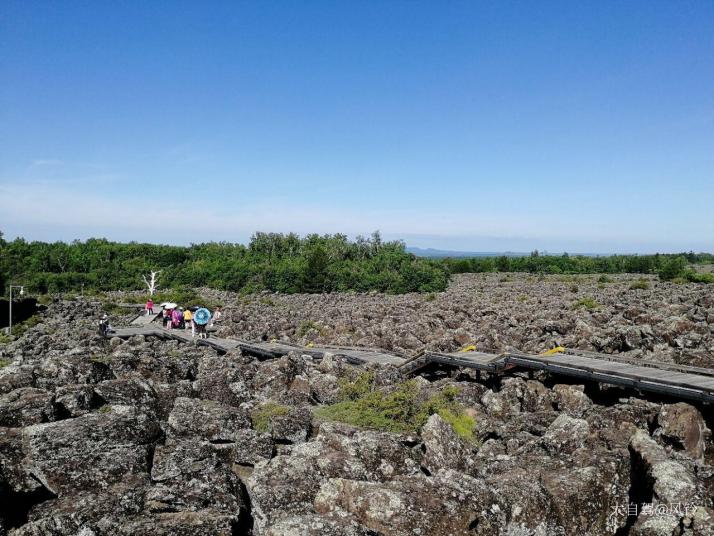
{"type": "Point", "coordinates": [201, 318]}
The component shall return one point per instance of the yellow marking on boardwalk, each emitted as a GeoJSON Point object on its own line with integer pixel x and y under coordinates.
{"type": "Point", "coordinates": [553, 351]}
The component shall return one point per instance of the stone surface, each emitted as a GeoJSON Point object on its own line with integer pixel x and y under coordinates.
{"type": "Point", "coordinates": [147, 436]}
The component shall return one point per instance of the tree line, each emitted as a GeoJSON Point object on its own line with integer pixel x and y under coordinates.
{"type": "Point", "coordinates": [667, 266]}
{"type": "Point", "coordinates": [270, 261]}
{"type": "Point", "coordinates": [290, 263]}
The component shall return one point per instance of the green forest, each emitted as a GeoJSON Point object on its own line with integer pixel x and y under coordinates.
{"type": "Point", "coordinates": [289, 263]}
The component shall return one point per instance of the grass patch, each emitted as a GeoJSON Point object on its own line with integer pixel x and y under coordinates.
{"type": "Point", "coordinates": [263, 416]}
{"type": "Point", "coordinates": [113, 308]}
{"type": "Point", "coordinates": [102, 359]}
{"type": "Point", "coordinates": [431, 296]}
{"type": "Point", "coordinates": [604, 278]}
{"type": "Point", "coordinates": [697, 277]}
{"type": "Point", "coordinates": [4, 362]}
{"type": "Point", "coordinates": [19, 329]}
{"type": "Point", "coordinates": [640, 284]}
{"type": "Point", "coordinates": [365, 405]}
{"type": "Point", "coordinates": [306, 326]}
{"type": "Point", "coordinates": [587, 302]}
{"type": "Point", "coordinates": [106, 408]}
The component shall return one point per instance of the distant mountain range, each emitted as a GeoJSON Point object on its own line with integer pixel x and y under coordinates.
{"type": "Point", "coordinates": [440, 253]}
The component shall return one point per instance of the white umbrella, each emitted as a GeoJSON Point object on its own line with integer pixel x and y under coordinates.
{"type": "Point", "coordinates": [168, 305]}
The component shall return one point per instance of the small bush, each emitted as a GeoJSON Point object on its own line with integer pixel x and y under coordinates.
{"type": "Point", "coordinates": [112, 308]}
{"type": "Point", "coordinates": [262, 416]}
{"type": "Point", "coordinates": [19, 329]}
{"type": "Point", "coordinates": [574, 289]}
{"type": "Point", "coordinates": [696, 277]}
{"type": "Point", "coordinates": [604, 278]}
{"type": "Point", "coordinates": [306, 326]}
{"type": "Point", "coordinates": [397, 410]}
{"type": "Point", "coordinates": [430, 297]}
{"type": "Point", "coordinates": [640, 284]}
{"type": "Point", "coordinates": [588, 303]}
{"type": "Point", "coordinates": [673, 268]}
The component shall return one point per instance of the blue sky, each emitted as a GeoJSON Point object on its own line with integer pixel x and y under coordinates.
{"type": "Point", "coordinates": [578, 126]}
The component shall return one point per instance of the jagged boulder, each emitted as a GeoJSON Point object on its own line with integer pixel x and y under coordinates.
{"type": "Point", "coordinates": [286, 485]}
{"type": "Point", "coordinates": [90, 451]}
{"type": "Point", "coordinates": [191, 474]}
{"type": "Point", "coordinates": [681, 427]}
{"type": "Point", "coordinates": [443, 449]}
{"type": "Point", "coordinates": [26, 406]}
{"type": "Point", "coordinates": [205, 419]}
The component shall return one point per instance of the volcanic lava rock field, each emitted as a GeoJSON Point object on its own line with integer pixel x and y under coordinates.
{"type": "Point", "coordinates": [640, 317]}
{"type": "Point", "coordinates": [152, 437]}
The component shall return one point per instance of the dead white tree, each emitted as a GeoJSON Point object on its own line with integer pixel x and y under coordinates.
{"type": "Point", "coordinates": [152, 282]}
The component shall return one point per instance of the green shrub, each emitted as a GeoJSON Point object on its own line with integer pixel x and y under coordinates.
{"type": "Point", "coordinates": [574, 289]}
{"type": "Point", "coordinates": [19, 329]}
{"type": "Point", "coordinates": [604, 278]}
{"type": "Point", "coordinates": [397, 409]}
{"type": "Point", "coordinates": [673, 268]}
{"type": "Point", "coordinates": [587, 302]}
{"type": "Point", "coordinates": [640, 284]}
{"type": "Point", "coordinates": [263, 415]}
{"type": "Point", "coordinates": [113, 308]}
{"type": "Point", "coordinates": [430, 297]}
{"type": "Point", "coordinates": [306, 326]}
{"type": "Point", "coordinates": [696, 277]}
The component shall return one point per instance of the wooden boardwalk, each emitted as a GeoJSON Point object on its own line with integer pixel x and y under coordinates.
{"type": "Point", "coordinates": [680, 381]}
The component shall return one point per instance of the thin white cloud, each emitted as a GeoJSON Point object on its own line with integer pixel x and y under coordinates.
{"type": "Point", "coordinates": [46, 206]}
{"type": "Point", "coordinates": [44, 162]}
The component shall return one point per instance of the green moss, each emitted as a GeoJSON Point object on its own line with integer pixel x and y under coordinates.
{"type": "Point", "coordinates": [462, 423]}
{"type": "Point", "coordinates": [262, 416]}
{"type": "Point", "coordinates": [397, 410]}
{"type": "Point", "coordinates": [4, 362]}
{"type": "Point", "coordinates": [588, 303]}
{"type": "Point", "coordinates": [102, 359]}
{"type": "Point", "coordinates": [106, 408]}
{"type": "Point", "coordinates": [113, 308]}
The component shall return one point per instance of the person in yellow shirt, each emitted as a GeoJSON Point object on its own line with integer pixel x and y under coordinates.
{"type": "Point", "coordinates": [188, 320]}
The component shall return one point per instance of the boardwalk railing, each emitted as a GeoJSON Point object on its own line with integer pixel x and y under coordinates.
{"type": "Point", "coordinates": [680, 381]}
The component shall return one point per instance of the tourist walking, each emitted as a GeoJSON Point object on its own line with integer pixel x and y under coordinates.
{"type": "Point", "coordinates": [104, 326]}
{"type": "Point", "coordinates": [188, 320]}
{"type": "Point", "coordinates": [149, 307]}
{"type": "Point", "coordinates": [216, 317]}
{"type": "Point", "coordinates": [176, 318]}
